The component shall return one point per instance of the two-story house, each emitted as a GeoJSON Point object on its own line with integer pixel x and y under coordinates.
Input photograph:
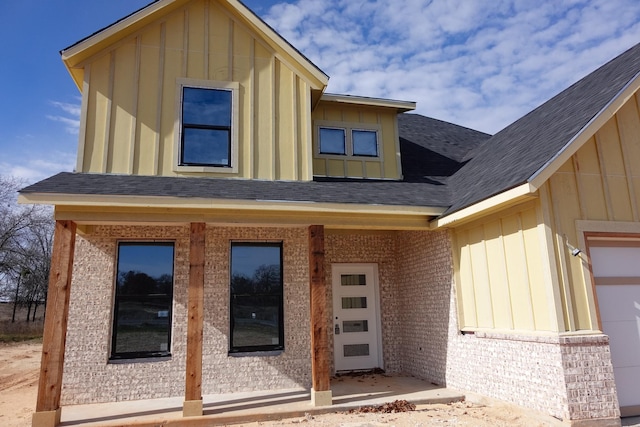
{"type": "Point", "coordinates": [231, 227]}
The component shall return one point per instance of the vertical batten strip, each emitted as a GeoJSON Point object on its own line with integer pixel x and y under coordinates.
{"type": "Point", "coordinates": [527, 279]}
{"type": "Point", "coordinates": [560, 250]}
{"type": "Point", "coordinates": [158, 124]}
{"type": "Point", "coordinates": [603, 177]}
{"type": "Point", "coordinates": [505, 261]}
{"type": "Point", "coordinates": [250, 121]}
{"type": "Point", "coordinates": [274, 116]}
{"type": "Point", "coordinates": [472, 282]}
{"type": "Point", "coordinates": [396, 139]}
{"type": "Point", "coordinates": [136, 91]}
{"type": "Point", "coordinates": [488, 277]}
{"type": "Point", "coordinates": [84, 110]}
{"type": "Point", "coordinates": [294, 122]}
{"type": "Point", "coordinates": [628, 170]}
{"type": "Point", "coordinates": [552, 284]}
{"type": "Point", "coordinates": [206, 40]}
{"type": "Point", "coordinates": [383, 172]}
{"type": "Point", "coordinates": [107, 119]}
{"type": "Point", "coordinates": [308, 143]}
{"type": "Point", "coordinates": [579, 186]}
{"type": "Point", "coordinates": [185, 44]}
{"type": "Point", "coordinates": [230, 50]}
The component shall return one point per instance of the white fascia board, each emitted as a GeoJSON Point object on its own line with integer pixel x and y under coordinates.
{"type": "Point", "coordinates": [401, 106]}
{"type": "Point", "coordinates": [498, 201]}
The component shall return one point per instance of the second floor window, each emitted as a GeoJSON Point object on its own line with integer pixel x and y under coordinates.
{"type": "Point", "coordinates": [350, 140]}
{"type": "Point", "coordinates": [206, 127]}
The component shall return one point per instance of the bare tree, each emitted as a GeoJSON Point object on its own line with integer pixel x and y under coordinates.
{"type": "Point", "coordinates": [26, 233]}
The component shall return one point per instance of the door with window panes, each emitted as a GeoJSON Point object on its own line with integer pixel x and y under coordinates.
{"type": "Point", "coordinates": [356, 321]}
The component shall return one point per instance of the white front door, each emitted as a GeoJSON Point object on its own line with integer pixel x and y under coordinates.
{"type": "Point", "coordinates": [616, 270]}
{"type": "Point", "coordinates": [356, 321]}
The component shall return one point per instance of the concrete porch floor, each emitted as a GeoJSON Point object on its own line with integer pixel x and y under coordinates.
{"type": "Point", "coordinates": [348, 392]}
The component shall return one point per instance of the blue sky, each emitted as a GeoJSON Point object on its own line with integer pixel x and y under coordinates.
{"type": "Point", "coordinates": [478, 63]}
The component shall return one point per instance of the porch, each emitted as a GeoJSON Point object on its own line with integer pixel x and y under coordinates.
{"type": "Point", "coordinates": [219, 409]}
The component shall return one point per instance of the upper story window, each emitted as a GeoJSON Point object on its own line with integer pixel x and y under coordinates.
{"type": "Point", "coordinates": [346, 139]}
{"type": "Point", "coordinates": [332, 141]}
{"type": "Point", "coordinates": [208, 126]}
{"type": "Point", "coordinates": [365, 142]}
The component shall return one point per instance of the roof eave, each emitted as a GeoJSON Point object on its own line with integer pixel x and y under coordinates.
{"type": "Point", "coordinates": [399, 106]}
{"type": "Point", "coordinates": [497, 202]}
{"type": "Point", "coordinates": [62, 199]}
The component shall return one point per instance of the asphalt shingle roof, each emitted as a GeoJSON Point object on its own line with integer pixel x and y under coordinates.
{"type": "Point", "coordinates": [512, 156]}
{"type": "Point", "coordinates": [392, 193]}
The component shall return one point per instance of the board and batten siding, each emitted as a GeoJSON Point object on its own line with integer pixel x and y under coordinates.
{"type": "Point", "coordinates": [386, 166]}
{"type": "Point", "coordinates": [502, 277]}
{"type": "Point", "coordinates": [130, 110]}
{"type": "Point", "coordinates": [601, 183]}
{"type": "Point", "coordinates": [514, 269]}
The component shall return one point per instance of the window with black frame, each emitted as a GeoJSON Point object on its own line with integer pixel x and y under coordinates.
{"type": "Point", "coordinates": [143, 299]}
{"type": "Point", "coordinates": [206, 127]}
{"type": "Point", "coordinates": [256, 297]}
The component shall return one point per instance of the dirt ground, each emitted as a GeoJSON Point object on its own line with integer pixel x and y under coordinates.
{"type": "Point", "coordinates": [19, 366]}
{"type": "Point", "coordinates": [20, 362]}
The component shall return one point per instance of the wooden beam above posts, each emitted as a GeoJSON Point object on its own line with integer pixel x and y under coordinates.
{"type": "Point", "coordinates": [320, 354]}
{"type": "Point", "coordinates": [55, 326]}
{"type": "Point", "coordinates": [195, 313]}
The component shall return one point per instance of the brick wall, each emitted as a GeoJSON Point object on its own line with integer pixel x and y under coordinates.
{"type": "Point", "coordinates": [291, 368]}
{"type": "Point", "coordinates": [424, 283]}
{"type": "Point", "coordinates": [88, 375]}
{"type": "Point", "coordinates": [376, 248]}
{"type": "Point", "coordinates": [569, 377]}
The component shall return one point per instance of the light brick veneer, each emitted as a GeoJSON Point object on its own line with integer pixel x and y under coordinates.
{"type": "Point", "coordinates": [291, 368]}
{"type": "Point", "coordinates": [567, 376]}
{"type": "Point", "coordinates": [88, 375]}
{"type": "Point", "coordinates": [376, 248]}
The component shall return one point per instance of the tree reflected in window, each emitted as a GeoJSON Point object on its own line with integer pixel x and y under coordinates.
{"type": "Point", "coordinates": [144, 294]}
{"type": "Point", "coordinates": [256, 297]}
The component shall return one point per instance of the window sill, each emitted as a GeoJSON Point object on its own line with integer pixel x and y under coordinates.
{"type": "Point", "coordinates": [212, 169]}
{"type": "Point", "coordinates": [154, 359]}
{"type": "Point", "coordinates": [269, 353]}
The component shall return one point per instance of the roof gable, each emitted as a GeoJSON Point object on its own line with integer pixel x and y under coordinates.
{"type": "Point", "coordinates": [523, 150]}
{"type": "Point", "coordinates": [74, 55]}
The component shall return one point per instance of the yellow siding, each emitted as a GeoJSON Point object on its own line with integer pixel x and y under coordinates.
{"type": "Point", "coordinates": [383, 120]}
{"type": "Point", "coordinates": [500, 272]}
{"type": "Point", "coordinates": [147, 132]}
{"type": "Point", "coordinates": [600, 183]}
{"type": "Point", "coordinates": [132, 108]}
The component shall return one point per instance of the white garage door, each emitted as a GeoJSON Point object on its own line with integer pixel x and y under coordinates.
{"type": "Point", "coordinates": [616, 269]}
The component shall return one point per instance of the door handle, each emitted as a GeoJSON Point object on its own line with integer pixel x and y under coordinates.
{"type": "Point", "coordinates": [337, 329]}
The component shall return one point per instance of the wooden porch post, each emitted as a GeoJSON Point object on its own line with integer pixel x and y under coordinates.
{"type": "Point", "coordinates": [193, 384]}
{"type": "Point", "coordinates": [55, 327]}
{"type": "Point", "coordinates": [321, 392]}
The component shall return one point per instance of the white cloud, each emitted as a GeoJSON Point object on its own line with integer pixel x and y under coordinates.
{"type": "Point", "coordinates": [72, 123]}
{"type": "Point", "coordinates": [481, 64]}
{"type": "Point", "coordinates": [33, 167]}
